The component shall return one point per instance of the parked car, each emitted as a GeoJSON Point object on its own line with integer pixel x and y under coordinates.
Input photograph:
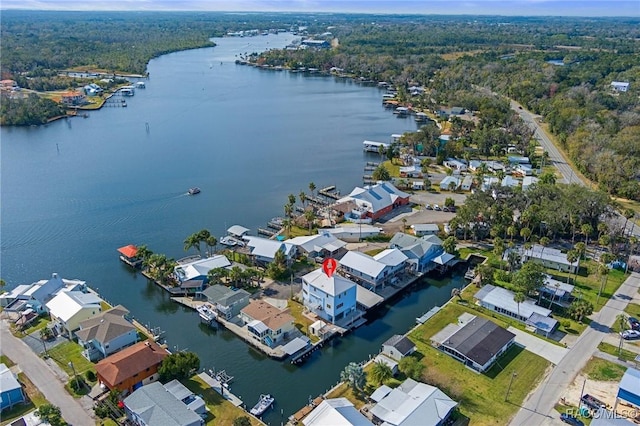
{"type": "Point", "coordinates": [630, 334]}
{"type": "Point", "coordinates": [634, 323]}
{"type": "Point", "coordinates": [445, 209]}
{"type": "Point", "coordinates": [572, 420]}
{"type": "Point", "coordinates": [436, 207]}
{"type": "Point", "coordinates": [428, 207]}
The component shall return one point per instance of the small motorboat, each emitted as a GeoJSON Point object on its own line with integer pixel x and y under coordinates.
{"type": "Point", "coordinates": [193, 191]}
{"type": "Point", "coordinates": [263, 405]}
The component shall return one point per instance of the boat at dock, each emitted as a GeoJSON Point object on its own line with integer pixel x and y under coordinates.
{"type": "Point", "coordinates": [228, 241]}
{"type": "Point", "coordinates": [193, 191]}
{"type": "Point", "coordinates": [207, 314]}
{"type": "Point", "coordinates": [263, 405]}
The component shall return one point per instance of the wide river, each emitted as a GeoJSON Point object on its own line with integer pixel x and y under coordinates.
{"type": "Point", "coordinates": [75, 190]}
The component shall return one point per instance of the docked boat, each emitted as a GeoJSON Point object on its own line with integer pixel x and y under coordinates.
{"type": "Point", "coordinates": [228, 241]}
{"type": "Point", "coordinates": [263, 405]}
{"type": "Point", "coordinates": [207, 314]}
{"type": "Point", "coordinates": [193, 191]}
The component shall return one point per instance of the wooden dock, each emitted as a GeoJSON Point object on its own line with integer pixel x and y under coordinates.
{"type": "Point", "coordinates": [266, 232]}
{"type": "Point", "coordinates": [330, 192]}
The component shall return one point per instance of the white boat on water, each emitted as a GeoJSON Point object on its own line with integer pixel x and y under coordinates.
{"type": "Point", "coordinates": [228, 241]}
{"type": "Point", "coordinates": [263, 405]}
{"type": "Point", "coordinates": [206, 313]}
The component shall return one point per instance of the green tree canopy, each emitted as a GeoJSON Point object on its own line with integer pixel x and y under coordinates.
{"type": "Point", "coordinates": [179, 365]}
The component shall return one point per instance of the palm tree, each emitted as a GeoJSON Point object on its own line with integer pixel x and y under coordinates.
{"type": "Point", "coordinates": [303, 198]}
{"type": "Point", "coordinates": [2, 284]}
{"type": "Point", "coordinates": [519, 297]}
{"type": "Point", "coordinates": [192, 241]}
{"type": "Point", "coordinates": [586, 230]}
{"type": "Point", "coordinates": [498, 249]}
{"type": "Point", "coordinates": [143, 253]}
{"type": "Point", "coordinates": [292, 199]}
{"type": "Point", "coordinates": [380, 372]}
{"type": "Point", "coordinates": [211, 242]}
{"type": "Point", "coordinates": [512, 232]}
{"type": "Point", "coordinates": [621, 320]}
{"type": "Point", "coordinates": [579, 309]}
{"type": "Point", "coordinates": [288, 210]}
{"type": "Point", "coordinates": [553, 296]}
{"type": "Point", "coordinates": [525, 233]}
{"type": "Point", "coordinates": [287, 223]}
{"type": "Point", "coordinates": [513, 258]}
{"type": "Point", "coordinates": [572, 256]}
{"type": "Point", "coordinates": [309, 216]}
{"type": "Point", "coordinates": [544, 241]}
{"type": "Point", "coordinates": [312, 187]}
{"type": "Point", "coordinates": [235, 275]}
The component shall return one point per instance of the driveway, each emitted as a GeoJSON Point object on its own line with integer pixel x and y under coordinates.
{"type": "Point", "coordinates": [43, 378]}
{"type": "Point", "coordinates": [547, 350]}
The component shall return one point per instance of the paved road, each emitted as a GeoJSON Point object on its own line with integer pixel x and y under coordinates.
{"type": "Point", "coordinates": [43, 378]}
{"type": "Point", "coordinates": [538, 408]}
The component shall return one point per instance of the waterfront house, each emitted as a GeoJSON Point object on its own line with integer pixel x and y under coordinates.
{"type": "Point", "coordinates": [354, 233]}
{"type": "Point", "coordinates": [373, 272]}
{"type": "Point", "coordinates": [36, 295]}
{"type": "Point", "coordinates": [449, 183]}
{"type": "Point", "coordinates": [198, 270]}
{"type": "Point", "coordinates": [324, 244]}
{"type": "Point", "coordinates": [266, 323]}
{"type": "Point", "coordinates": [375, 201]}
{"type": "Point", "coordinates": [420, 252]}
{"type": "Point", "coordinates": [422, 229]}
{"type": "Point", "coordinates": [318, 44]}
{"type": "Point", "coordinates": [226, 301]}
{"type": "Point", "coordinates": [336, 412]}
{"type": "Point", "coordinates": [477, 342]}
{"type": "Point", "coordinates": [549, 258]}
{"type": "Point", "coordinates": [193, 402]}
{"type": "Point", "coordinates": [263, 251]}
{"type": "Point", "coordinates": [11, 392]}
{"type": "Point", "coordinates": [132, 367]}
{"type": "Point", "coordinates": [620, 86]}
{"type": "Point", "coordinates": [154, 405]}
{"type": "Point", "coordinates": [398, 347]}
{"type": "Point", "coordinates": [373, 146]}
{"type": "Point", "coordinates": [330, 298]}
{"type": "Point", "coordinates": [106, 333]}
{"type": "Point", "coordinates": [69, 308]}
{"type": "Point", "coordinates": [501, 300]}
{"type": "Point", "coordinates": [73, 98]}
{"type": "Point", "coordinates": [412, 403]}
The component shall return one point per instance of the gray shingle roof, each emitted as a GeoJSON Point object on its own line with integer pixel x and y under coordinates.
{"type": "Point", "coordinates": [479, 340]}
{"type": "Point", "coordinates": [403, 344]}
{"type": "Point", "coordinates": [158, 407]}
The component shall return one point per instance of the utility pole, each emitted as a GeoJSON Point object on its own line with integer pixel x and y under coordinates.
{"type": "Point", "coordinates": [74, 374]}
{"type": "Point", "coordinates": [513, 376]}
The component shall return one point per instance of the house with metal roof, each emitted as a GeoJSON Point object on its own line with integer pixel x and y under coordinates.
{"type": "Point", "coordinates": [373, 272]}
{"type": "Point", "coordinates": [264, 250]}
{"type": "Point", "coordinates": [11, 392]}
{"type": "Point", "coordinates": [376, 201]}
{"type": "Point", "coordinates": [331, 298]}
{"type": "Point", "coordinates": [501, 300]}
{"type": "Point", "coordinates": [450, 182]}
{"type": "Point", "coordinates": [154, 405]}
{"type": "Point", "coordinates": [69, 308]}
{"type": "Point", "coordinates": [354, 233]}
{"type": "Point", "coordinates": [193, 402]}
{"type": "Point", "coordinates": [199, 269]}
{"type": "Point", "coordinates": [557, 292]}
{"type": "Point", "coordinates": [36, 295]}
{"type": "Point", "coordinates": [106, 333]}
{"type": "Point", "coordinates": [336, 412]}
{"type": "Point", "coordinates": [528, 182]}
{"type": "Point", "coordinates": [629, 388]}
{"type": "Point", "coordinates": [620, 86]}
{"type": "Point", "coordinates": [226, 301]}
{"type": "Point", "coordinates": [477, 342]}
{"type": "Point", "coordinates": [422, 229]}
{"type": "Point", "coordinates": [510, 182]}
{"type": "Point", "coordinates": [412, 403]}
{"type": "Point", "coordinates": [420, 252]}
{"type": "Point", "coordinates": [131, 367]}
{"type": "Point", "coordinates": [266, 323]}
{"type": "Point", "coordinates": [238, 231]}
{"type": "Point", "coordinates": [324, 244]}
{"type": "Point", "coordinates": [549, 258]}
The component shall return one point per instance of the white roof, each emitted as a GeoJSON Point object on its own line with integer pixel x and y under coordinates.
{"type": "Point", "coordinates": [448, 179]}
{"type": "Point", "coordinates": [503, 298]}
{"type": "Point", "coordinates": [425, 227]}
{"type": "Point", "coordinates": [529, 180]}
{"type": "Point", "coordinates": [374, 143]}
{"type": "Point", "coordinates": [8, 381]}
{"type": "Point", "coordinates": [363, 263]}
{"type": "Point", "coordinates": [258, 325]}
{"type": "Point", "coordinates": [324, 240]}
{"type": "Point", "coordinates": [375, 197]}
{"type": "Point", "coordinates": [237, 230]}
{"type": "Point", "coordinates": [510, 181]}
{"type": "Point", "coordinates": [354, 230]}
{"type": "Point", "coordinates": [414, 403]}
{"type": "Point", "coordinates": [391, 257]}
{"type": "Point", "coordinates": [547, 253]}
{"type": "Point", "coordinates": [66, 304]}
{"type": "Point", "coordinates": [201, 267]}
{"type": "Point", "coordinates": [267, 248]}
{"type": "Point", "coordinates": [332, 286]}
{"type": "Point", "coordinates": [367, 298]}
{"type": "Point", "coordinates": [18, 291]}
{"type": "Point", "coordinates": [336, 412]}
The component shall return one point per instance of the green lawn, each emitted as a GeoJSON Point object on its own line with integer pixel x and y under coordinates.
{"type": "Point", "coordinates": [603, 370]}
{"type": "Point", "coordinates": [633, 310]}
{"type": "Point", "coordinates": [36, 325]}
{"type": "Point", "coordinates": [613, 350]}
{"type": "Point", "coordinates": [301, 322]}
{"type": "Point", "coordinates": [71, 352]}
{"type": "Point", "coordinates": [6, 361]}
{"type": "Point", "coordinates": [221, 411]}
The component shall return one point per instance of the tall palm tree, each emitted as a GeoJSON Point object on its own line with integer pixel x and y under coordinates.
{"type": "Point", "coordinates": [621, 321]}
{"type": "Point", "coordinates": [212, 242]}
{"type": "Point", "coordinates": [572, 256]}
{"type": "Point", "coordinates": [192, 241]}
{"type": "Point", "coordinates": [292, 199]}
{"type": "Point", "coordinates": [303, 198]}
{"type": "Point", "coordinates": [309, 216]}
{"type": "Point", "coordinates": [288, 210]}
{"type": "Point", "coordinates": [586, 230]}
{"type": "Point", "coordinates": [287, 223]}
{"type": "Point", "coordinates": [143, 253]}
{"type": "Point", "coordinates": [544, 242]}
{"type": "Point", "coordinates": [312, 187]}
{"type": "Point", "coordinates": [512, 231]}
{"type": "Point", "coordinates": [525, 233]}
{"type": "Point", "coordinates": [519, 297]}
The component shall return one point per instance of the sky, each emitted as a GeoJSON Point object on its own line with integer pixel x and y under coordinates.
{"type": "Point", "coordinates": [596, 8]}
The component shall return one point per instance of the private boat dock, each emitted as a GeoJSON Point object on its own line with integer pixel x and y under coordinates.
{"type": "Point", "coordinates": [330, 192]}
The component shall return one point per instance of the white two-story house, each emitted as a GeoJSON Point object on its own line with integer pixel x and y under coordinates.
{"type": "Point", "coordinates": [331, 298]}
{"type": "Point", "coordinates": [373, 272]}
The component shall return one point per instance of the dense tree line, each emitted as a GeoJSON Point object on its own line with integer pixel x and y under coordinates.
{"type": "Point", "coordinates": [32, 109]}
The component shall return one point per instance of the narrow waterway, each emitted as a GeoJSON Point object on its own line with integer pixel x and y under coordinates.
{"type": "Point", "coordinates": [75, 190]}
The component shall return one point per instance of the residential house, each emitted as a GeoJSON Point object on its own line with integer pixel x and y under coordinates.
{"type": "Point", "coordinates": [69, 308]}
{"type": "Point", "coordinates": [422, 229]}
{"type": "Point", "coordinates": [132, 367]}
{"type": "Point", "coordinates": [324, 244]}
{"type": "Point", "coordinates": [318, 44]}
{"type": "Point", "coordinates": [495, 166]}
{"type": "Point", "coordinates": [373, 272]}
{"type": "Point", "coordinates": [36, 295]}
{"type": "Point", "coordinates": [455, 165]}
{"type": "Point", "coordinates": [336, 412]}
{"type": "Point", "coordinates": [450, 183]}
{"type": "Point", "coordinates": [412, 403]}
{"type": "Point", "coordinates": [198, 270]}
{"type": "Point", "coordinates": [477, 342]}
{"type": "Point", "coordinates": [629, 388]}
{"type": "Point", "coordinates": [549, 258]}
{"type": "Point", "coordinates": [417, 185]}
{"type": "Point", "coordinates": [501, 300]}
{"type": "Point", "coordinates": [375, 201]}
{"type": "Point", "coordinates": [517, 159]}
{"type": "Point", "coordinates": [467, 183]}
{"type": "Point", "coordinates": [193, 402]}
{"type": "Point", "coordinates": [411, 172]}
{"type": "Point", "coordinates": [558, 292]}
{"type": "Point", "coordinates": [106, 333]}
{"type": "Point", "coordinates": [73, 98]}
{"type": "Point", "coordinates": [528, 182]}
{"type": "Point", "coordinates": [226, 301]}
{"type": "Point", "coordinates": [331, 298]}
{"type": "Point", "coordinates": [263, 250]}
{"type": "Point", "coordinates": [92, 89]}
{"type": "Point", "coordinates": [398, 347]}
{"type": "Point", "coordinates": [420, 252]}
{"type": "Point", "coordinates": [154, 405]}
{"type": "Point", "coordinates": [11, 392]}
{"type": "Point", "coordinates": [266, 323]}
{"type": "Point", "coordinates": [510, 182]}
{"type": "Point", "coordinates": [620, 86]}
{"type": "Point", "coordinates": [523, 170]}
{"type": "Point", "coordinates": [354, 233]}
{"type": "Point", "coordinates": [488, 182]}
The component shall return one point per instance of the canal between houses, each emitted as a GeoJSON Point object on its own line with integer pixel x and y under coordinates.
{"type": "Point", "coordinates": [75, 190]}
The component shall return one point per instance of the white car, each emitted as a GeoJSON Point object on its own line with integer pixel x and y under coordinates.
{"type": "Point", "coordinates": [630, 334]}
{"type": "Point", "coordinates": [436, 207]}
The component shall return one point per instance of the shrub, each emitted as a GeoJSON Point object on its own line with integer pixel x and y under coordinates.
{"type": "Point", "coordinates": [90, 375]}
{"type": "Point", "coordinates": [501, 275]}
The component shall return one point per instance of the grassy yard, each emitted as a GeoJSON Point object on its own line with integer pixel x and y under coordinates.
{"type": "Point", "coordinates": [71, 352]}
{"type": "Point", "coordinates": [38, 324]}
{"type": "Point", "coordinates": [603, 370]}
{"type": "Point", "coordinates": [6, 361]}
{"type": "Point", "coordinates": [633, 310]}
{"type": "Point", "coordinates": [613, 350]}
{"type": "Point", "coordinates": [301, 322]}
{"type": "Point", "coordinates": [221, 411]}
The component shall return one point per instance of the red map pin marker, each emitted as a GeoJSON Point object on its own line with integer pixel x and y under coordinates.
{"type": "Point", "coordinates": [329, 266]}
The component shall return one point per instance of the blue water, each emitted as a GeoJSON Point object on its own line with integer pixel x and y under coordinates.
{"type": "Point", "coordinates": [75, 190]}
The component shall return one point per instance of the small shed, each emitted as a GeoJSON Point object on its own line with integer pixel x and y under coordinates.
{"type": "Point", "coordinates": [421, 229]}
{"type": "Point", "coordinates": [397, 347]}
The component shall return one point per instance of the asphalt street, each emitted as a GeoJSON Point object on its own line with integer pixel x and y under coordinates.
{"type": "Point", "coordinates": [538, 409]}
{"type": "Point", "coordinates": [43, 378]}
